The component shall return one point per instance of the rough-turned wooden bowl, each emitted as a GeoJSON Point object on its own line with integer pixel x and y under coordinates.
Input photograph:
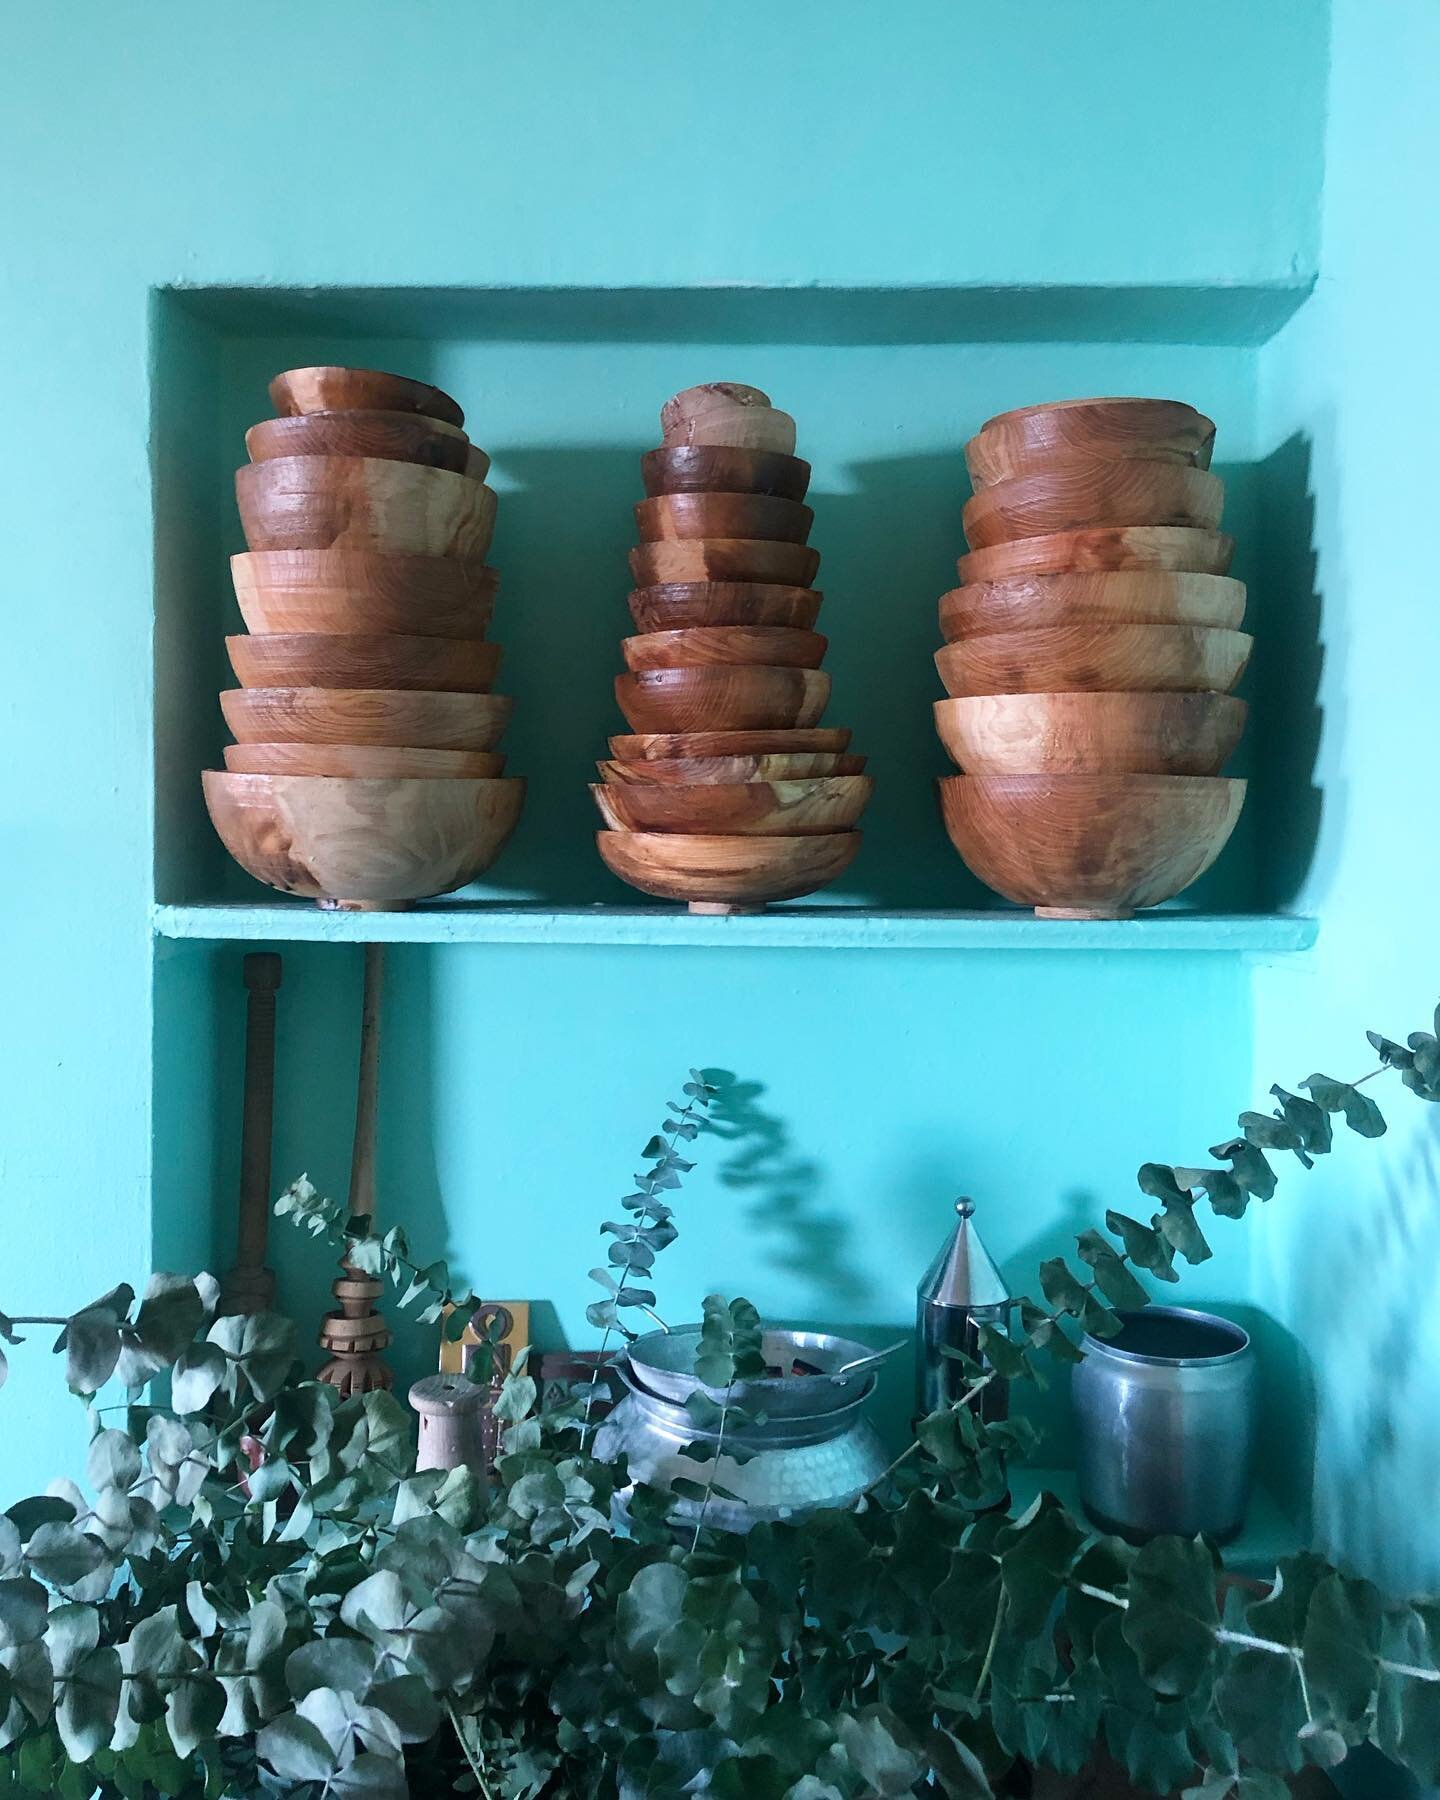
{"type": "Point", "coordinates": [805, 808]}
{"type": "Point", "coordinates": [380, 760]}
{"type": "Point", "coordinates": [364, 844]}
{"type": "Point", "coordinates": [722, 560]}
{"type": "Point", "coordinates": [726, 412]}
{"type": "Point", "coordinates": [1091, 656]}
{"type": "Point", "coordinates": [1179, 547]}
{"type": "Point", "coordinates": [329, 388]}
{"type": "Point", "coordinates": [1089, 846]}
{"type": "Point", "coordinates": [726, 874]}
{"type": "Point", "coordinates": [722, 698]}
{"type": "Point", "coordinates": [1123, 597]}
{"type": "Point", "coordinates": [722, 469]}
{"type": "Point", "coordinates": [358, 590]}
{"type": "Point", "coordinates": [1081, 734]}
{"type": "Point", "coordinates": [1036, 437]}
{"type": "Point", "coordinates": [321, 659]}
{"type": "Point", "coordinates": [405, 720]}
{"type": "Point", "coordinates": [667, 745]}
{"type": "Point", "coordinates": [668, 517]}
{"type": "Point", "coordinates": [682, 605]}
{"type": "Point", "coordinates": [394, 436]}
{"type": "Point", "coordinates": [1103, 493]}
{"type": "Point", "coordinates": [779, 646]}
{"type": "Point", "coordinates": [779, 765]}
{"type": "Point", "coordinates": [364, 503]}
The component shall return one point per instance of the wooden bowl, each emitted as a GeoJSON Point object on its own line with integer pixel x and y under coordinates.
{"type": "Point", "coordinates": [1104, 493]}
{"type": "Point", "coordinates": [364, 503]}
{"type": "Point", "coordinates": [1091, 656]}
{"type": "Point", "coordinates": [1126, 597]}
{"type": "Point", "coordinates": [726, 874]}
{"type": "Point", "coordinates": [1089, 846]}
{"type": "Point", "coordinates": [319, 659]}
{"type": "Point", "coordinates": [662, 746]}
{"type": "Point", "coordinates": [1036, 437]}
{"type": "Point", "coordinates": [393, 436]}
{"type": "Point", "coordinates": [1083, 734]}
{"type": "Point", "coordinates": [724, 560]}
{"type": "Point", "coordinates": [358, 590]}
{"type": "Point", "coordinates": [806, 808]}
{"type": "Point", "coordinates": [681, 605]}
{"type": "Point", "coordinates": [781, 765]}
{"type": "Point", "coordinates": [669, 517]}
{"type": "Point", "coordinates": [778, 646]}
{"type": "Point", "coordinates": [722, 698]}
{"type": "Point", "coordinates": [726, 412]}
{"type": "Point", "coordinates": [1180, 547]}
{"type": "Point", "coordinates": [395, 717]}
{"type": "Point", "coordinates": [363, 844]}
{"type": "Point", "coordinates": [328, 388]}
{"type": "Point", "coordinates": [360, 759]}
{"type": "Point", "coordinates": [722, 469]}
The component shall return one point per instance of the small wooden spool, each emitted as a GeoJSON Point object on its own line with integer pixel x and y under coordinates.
{"type": "Point", "coordinates": [451, 1410]}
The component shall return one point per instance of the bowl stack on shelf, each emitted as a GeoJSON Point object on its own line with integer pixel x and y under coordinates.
{"type": "Point", "coordinates": [1089, 656]}
{"type": "Point", "coordinates": [727, 793]}
{"type": "Point", "coordinates": [366, 774]}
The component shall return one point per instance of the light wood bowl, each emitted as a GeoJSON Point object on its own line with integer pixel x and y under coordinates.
{"type": "Point", "coordinates": [1089, 846]}
{"type": "Point", "coordinates": [726, 412]}
{"type": "Point", "coordinates": [1179, 547]}
{"type": "Point", "coordinates": [1125, 597]}
{"type": "Point", "coordinates": [319, 659]}
{"type": "Point", "coordinates": [1104, 493]}
{"type": "Point", "coordinates": [722, 469]}
{"type": "Point", "coordinates": [358, 590]}
{"type": "Point", "coordinates": [726, 874]}
{"type": "Point", "coordinates": [364, 503]}
{"type": "Point", "coordinates": [1037, 437]}
{"type": "Point", "coordinates": [392, 436]}
{"type": "Point", "coordinates": [724, 560]}
{"type": "Point", "coordinates": [362, 844]}
{"type": "Point", "coordinates": [806, 808]}
{"type": "Point", "coordinates": [1091, 657]}
{"type": "Point", "coordinates": [682, 605]}
{"type": "Point", "coordinates": [376, 760]}
{"type": "Point", "coordinates": [329, 388]}
{"type": "Point", "coordinates": [778, 766]}
{"type": "Point", "coordinates": [670, 517]}
{"type": "Point", "coordinates": [722, 698]}
{"type": "Point", "coordinates": [778, 646]}
{"type": "Point", "coordinates": [394, 717]}
{"type": "Point", "coordinates": [666, 746]}
{"type": "Point", "coordinates": [1083, 734]}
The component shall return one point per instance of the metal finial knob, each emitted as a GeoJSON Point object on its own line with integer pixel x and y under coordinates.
{"type": "Point", "coordinates": [965, 1206]}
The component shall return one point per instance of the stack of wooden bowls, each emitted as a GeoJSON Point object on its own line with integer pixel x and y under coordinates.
{"type": "Point", "coordinates": [1089, 656]}
{"type": "Point", "coordinates": [366, 774]}
{"type": "Point", "coordinates": [727, 793]}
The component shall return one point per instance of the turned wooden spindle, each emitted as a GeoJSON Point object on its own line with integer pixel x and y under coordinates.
{"type": "Point", "coordinates": [249, 1287]}
{"type": "Point", "coordinates": [355, 1334]}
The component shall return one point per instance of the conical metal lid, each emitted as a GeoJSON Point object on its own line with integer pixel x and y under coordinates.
{"type": "Point", "coordinates": [962, 1275]}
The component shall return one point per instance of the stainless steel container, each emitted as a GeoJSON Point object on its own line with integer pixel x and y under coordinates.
{"type": "Point", "coordinates": [961, 1291]}
{"type": "Point", "coordinates": [1166, 1419]}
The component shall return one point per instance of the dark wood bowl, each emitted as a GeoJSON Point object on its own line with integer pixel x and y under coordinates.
{"type": "Point", "coordinates": [396, 717]}
{"type": "Point", "coordinates": [778, 646]}
{"type": "Point", "coordinates": [729, 413]}
{"type": "Point", "coordinates": [364, 660]}
{"type": "Point", "coordinates": [1085, 495]}
{"type": "Point", "coordinates": [1089, 846]}
{"type": "Point", "coordinates": [724, 560]}
{"type": "Point", "coordinates": [373, 760]}
{"type": "Point", "coordinates": [392, 436]}
{"type": "Point", "coordinates": [1124, 597]}
{"type": "Point", "coordinates": [364, 503]}
{"type": "Point", "coordinates": [680, 605]}
{"type": "Point", "coordinates": [669, 745]}
{"type": "Point", "coordinates": [1085, 734]}
{"type": "Point", "coordinates": [806, 808]}
{"type": "Point", "coordinates": [722, 469]}
{"type": "Point", "coordinates": [1036, 437]}
{"type": "Point", "coordinates": [1183, 548]}
{"type": "Point", "coordinates": [1091, 656]}
{"type": "Point", "coordinates": [668, 518]}
{"type": "Point", "coordinates": [329, 388]}
{"type": "Point", "coordinates": [726, 874]}
{"type": "Point", "coordinates": [780, 765]}
{"type": "Point", "coordinates": [722, 699]}
{"type": "Point", "coordinates": [357, 590]}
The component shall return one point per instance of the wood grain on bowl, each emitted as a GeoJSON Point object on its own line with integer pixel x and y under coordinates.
{"type": "Point", "coordinates": [364, 503]}
{"type": "Point", "coordinates": [731, 873]}
{"type": "Point", "coordinates": [394, 436]}
{"type": "Point", "coordinates": [723, 469]}
{"type": "Point", "coordinates": [1091, 655]}
{"type": "Point", "coordinates": [1118, 597]}
{"type": "Point", "coordinates": [724, 560]}
{"type": "Point", "coordinates": [804, 808]}
{"type": "Point", "coordinates": [331, 388]}
{"type": "Point", "coordinates": [722, 698]}
{"type": "Point", "coordinates": [1034, 437]}
{"type": "Point", "coordinates": [779, 765]}
{"type": "Point", "coordinates": [667, 517]}
{"type": "Point", "coordinates": [358, 590]}
{"type": "Point", "coordinates": [726, 412]}
{"type": "Point", "coordinates": [780, 646]}
{"type": "Point", "coordinates": [821, 740]}
{"type": "Point", "coordinates": [1102, 493]}
{"type": "Point", "coordinates": [395, 717]}
{"type": "Point", "coordinates": [680, 605]}
{"type": "Point", "coordinates": [382, 760]}
{"type": "Point", "coordinates": [1180, 547]}
{"type": "Point", "coordinates": [320, 659]}
{"type": "Point", "coordinates": [1096, 733]}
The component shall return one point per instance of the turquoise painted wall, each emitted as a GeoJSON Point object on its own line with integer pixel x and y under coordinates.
{"type": "Point", "coordinates": [459, 145]}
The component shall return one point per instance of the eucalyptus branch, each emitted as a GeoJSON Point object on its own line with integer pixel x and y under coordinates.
{"type": "Point", "coordinates": [476, 1768]}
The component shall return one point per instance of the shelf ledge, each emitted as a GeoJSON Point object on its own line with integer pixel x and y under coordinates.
{"type": "Point", "coordinates": [783, 928]}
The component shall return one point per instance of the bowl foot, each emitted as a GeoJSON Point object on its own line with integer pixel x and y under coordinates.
{"type": "Point", "coordinates": [366, 906]}
{"type": "Point", "coordinates": [1084, 912]}
{"type": "Point", "coordinates": [722, 909]}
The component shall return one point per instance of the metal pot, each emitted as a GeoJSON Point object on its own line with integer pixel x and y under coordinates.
{"type": "Point", "coordinates": [1166, 1417]}
{"type": "Point", "coordinates": [664, 1363]}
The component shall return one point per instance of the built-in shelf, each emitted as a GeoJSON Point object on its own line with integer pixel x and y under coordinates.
{"type": "Point", "coordinates": [785, 928]}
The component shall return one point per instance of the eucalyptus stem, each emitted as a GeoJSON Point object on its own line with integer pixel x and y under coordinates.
{"type": "Point", "coordinates": [1001, 1606]}
{"type": "Point", "coordinates": [714, 1466]}
{"type": "Point", "coordinates": [476, 1769]}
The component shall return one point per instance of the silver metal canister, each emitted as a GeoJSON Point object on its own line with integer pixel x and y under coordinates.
{"type": "Point", "coordinates": [1166, 1419]}
{"type": "Point", "coordinates": [960, 1291]}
